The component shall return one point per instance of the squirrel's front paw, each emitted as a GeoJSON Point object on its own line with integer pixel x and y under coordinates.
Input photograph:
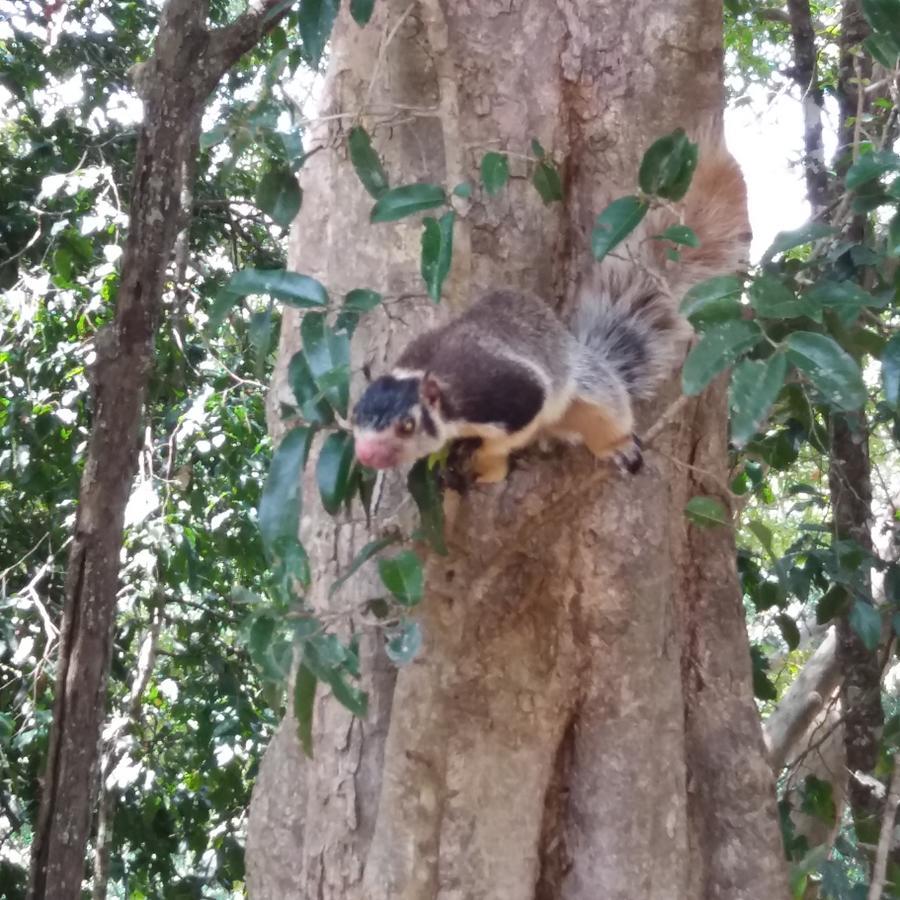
{"type": "Point", "coordinates": [630, 459]}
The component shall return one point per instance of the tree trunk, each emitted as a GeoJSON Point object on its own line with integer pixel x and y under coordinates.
{"type": "Point", "coordinates": [580, 722]}
{"type": "Point", "coordinates": [187, 63]}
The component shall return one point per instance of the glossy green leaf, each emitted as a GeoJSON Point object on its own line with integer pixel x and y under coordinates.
{"type": "Point", "coordinates": [313, 406]}
{"type": "Point", "coordinates": [400, 202]}
{"type": "Point", "coordinates": [423, 485]}
{"type": "Point", "coordinates": [713, 300]}
{"type": "Point", "coordinates": [328, 356]}
{"type": "Point", "coordinates": [292, 288]}
{"type": "Point", "coordinates": [333, 469]}
{"type": "Point", "coordinates": [368, 551]}
{"type": "Point", "coordinates": [494, 171]}
{"type": "Point", "coordinates": [315, 19]}
{"type": "Point", "coordinates": [361, 10]}
{"type": "Point", "coordinates": [774, 300]}
{"type": "Point", "coordinates": [304, 703]}
{"type": "Point", "coordinates": [404, 577]}
{"type": "Point", "coordinates": [437, 252]}
{"type": "Point", "coordinates": [719, 347]}
{"type": "Point", "coordinates": [547, 181]}
{"type": "Point", "coordinates": [865, 620]}
{"type": "Point", "coordinates": [883, 49]}
{"type": "Point", "coordinates": [754, 387]}
{"type": "Point", "coordinates": [831, 369]}
{"type": "Point", "coordinates": [870, 166]}
{"type": "Point", "coordinates": [680, 234]}
{"type": "Point", "coordinates": [463, 189]}
{"type": "Point", "coordinates": [845, 297]}
{"type": "Point", "coordinates": [330, 662]}
{"type": "Point", "coordinates": [260, 333]}
{"type": "Point", "coordinates": [805, 234]}
{"type": "Point", "coordinates": [279, 196]}
{"type": "Point", "coordinates": [615, 223]}
{"type": "Point", "coordinates": [366, 162]}
{"type": "Point", "coordinates": [404, 644]}
{"type": "Point", "coordinates": [668, 166]}
{"type": "Point", "coordinates": [707, 511]}
{"type": "Point", "coordinates": [890, 372]}
{"type": "Point", "coordinates": [279, 506]}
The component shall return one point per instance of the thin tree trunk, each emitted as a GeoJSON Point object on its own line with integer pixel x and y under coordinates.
{"type": "Point", "coordinates": [187, 64]}
{"type": "Point", "coordinates": [580, 722]}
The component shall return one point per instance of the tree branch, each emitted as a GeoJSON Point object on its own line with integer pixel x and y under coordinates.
{"type": "Point", "coordinates": [802, 702]}
{"type": "Point", "coordinates": [885, 838]}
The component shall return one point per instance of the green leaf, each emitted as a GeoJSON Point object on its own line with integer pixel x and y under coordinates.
{"type": "Point", "coordinates": [832, 603]}
{"type": "Point", "coordinates": [763, 534]}
{"type": "Point", "coordinates": [818, 800]}
{"type": "Point", "coordinates": [789, 630]}
{"type": "Point", "coordinates": [494, 172]}
{"type": "Point", "coordinates": [292, 288]}
{"type": "Point", "coordinates": [333, 470]}
{"type": "Point", "coordinates": [893, 236]}
{"type": "Point", "coordinates": [832, 370]}
{"type": "Point", "coordinates": [331, 662]}
{"type": "Point", "coordinates": [706, 511]}
{"type": "Point", "coordinates": [315, 19]}
{"type": "Point", "coordinates": [537, 149]}
{"type": "Point", "coordinates": [668, 166]}
{"type": "Point", "coordinates": [866, 622]}
{"type": "Point", "coordinates": [366, 162]}
{"type": "Point", "coordinates": [713, 300]}
{"type": "Point", "coordinates": [279, 196]}
{"type": "Point", "coordinates": [437, 252]}
{"type": "Point", "coordinates": [805, 234]}
{"type": "Point", "coordinates": [546, 180]}
{"type": "Point", "coordinates": [463, 189]}
{"type": "Point", "coordinates": [313, 405]}
{"type": "Point", "coordinates": [304, 703]}
{"type": "Point", "coordinates": [362, 300]}
{"type": "Point", "coordinates": [400, 202]}
{"type": "Point", "coordinates": [890, 372]}
{"type": "Point", "coordinates": [754, 387]}
{"type": "Point", "coordinates": [328, 356]}
{"type": "Point", "coordinates": [871, 166]}
{"type": "Point", "coordinates": [422, 484]}
{"type": "Point", "coordinates": [719, 347]}
{"type": "Point", "coordinates": [615, 223]}
{"type": "Point", "coordinates": [260, 333]}
{"type": "Point", "coordinates": [404, 577]}
{"type": "Point", "coordinates": [361, 10]}
{"type": "Point", "coordinates": [763, 688]}
{"type": "Point", "coordinates": [279, 506]}
{"type": "Point", "coordinates": [884, 17]}
{"type": "Point", "coordinates": [845, 297]}
{"type": "Point", "coordinates": [680, 234]}
{"type": "Point", "coordinates": [363, 557]}
{"type": "Point", "coordinates": [774, 300]}
{"type": "Point", "coordinates": [892, 584]}
{"type": "Point", "coordinates": [405, 643]}
{"type": "Point", "coordinates": [883, 49]}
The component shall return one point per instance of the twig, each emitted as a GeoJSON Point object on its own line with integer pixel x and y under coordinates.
{"type": "Point", "coordinates": [382, 50]}
{"type": "Point", "coordinates": [879, 870]}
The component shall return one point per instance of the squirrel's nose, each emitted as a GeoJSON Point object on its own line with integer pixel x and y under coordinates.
{"type": "Point", "coordinates": [375, 453]}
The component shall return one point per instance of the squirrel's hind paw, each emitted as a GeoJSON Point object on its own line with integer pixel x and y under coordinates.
{"type": "Point", "coordinates": [630, 459]}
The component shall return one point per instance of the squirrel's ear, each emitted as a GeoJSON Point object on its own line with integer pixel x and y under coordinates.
{"type": "Point", "coordinates": [430, 391]}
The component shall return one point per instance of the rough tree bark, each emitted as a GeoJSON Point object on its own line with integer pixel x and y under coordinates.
{"type": "Point", "coordinates": [580, 722]}
{"type": "Point", "coordinates": [188, 62]}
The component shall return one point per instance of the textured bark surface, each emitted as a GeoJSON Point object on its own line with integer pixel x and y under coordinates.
{"type": "Point", "coordinates": [580, 722]}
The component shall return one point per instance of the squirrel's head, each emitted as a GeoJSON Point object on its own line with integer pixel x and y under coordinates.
{"type": "Point", "coordinates": [398, 420]}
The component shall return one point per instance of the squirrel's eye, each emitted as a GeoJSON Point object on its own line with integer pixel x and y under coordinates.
{"type": "Point", "coordinates": [406, 426]}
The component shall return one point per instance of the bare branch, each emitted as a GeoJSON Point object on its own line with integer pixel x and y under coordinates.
{"type": "Point", "coordinates": [802, 702]}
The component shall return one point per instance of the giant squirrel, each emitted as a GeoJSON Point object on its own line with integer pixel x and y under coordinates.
{"type": "Point", "coordinates": [508, 371]}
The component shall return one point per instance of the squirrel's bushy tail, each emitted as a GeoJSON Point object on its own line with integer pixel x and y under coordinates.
{"type": "Point", "coordinates": [627, 312]}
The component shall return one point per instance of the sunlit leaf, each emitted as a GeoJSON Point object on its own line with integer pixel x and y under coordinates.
{"type": "Point", "coordinates": [831, 369]}
{"type": "Point", "coordinates": [719, 347]}
{"type": "Point", "coordinates": [713, 300]}
{"type": "Point", "coordinates": [404, 577]}
{"type": "Point", "coordinates": [707, 511]}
